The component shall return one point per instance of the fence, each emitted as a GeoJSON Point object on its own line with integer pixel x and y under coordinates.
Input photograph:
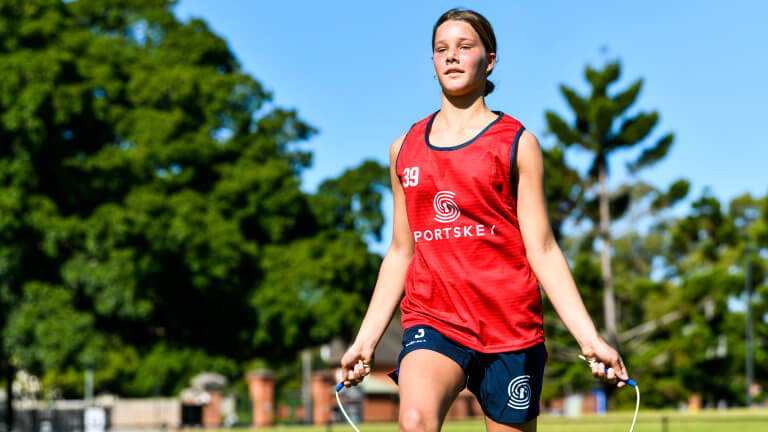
{"type": "Point", "coordinates": [48, 420]}
{"type": "Point", "coordinates": [126, 414]}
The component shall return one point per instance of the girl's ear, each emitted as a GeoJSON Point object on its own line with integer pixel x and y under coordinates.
{"type": "Point", "coordinates": [491, 63]}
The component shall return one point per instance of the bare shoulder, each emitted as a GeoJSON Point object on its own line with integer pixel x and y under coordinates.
{"type": "Point", "coordinates": [528, 142]}
{"type": "Point", "coordinates": [528, 151]}
{"type": "Point", "coordinates": [395, 148]}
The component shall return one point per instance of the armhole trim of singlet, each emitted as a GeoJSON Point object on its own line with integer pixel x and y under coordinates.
{"type": "Point", "coordinates": [513, 171]}
{"type": "Point", "coordinates": [402, 144]}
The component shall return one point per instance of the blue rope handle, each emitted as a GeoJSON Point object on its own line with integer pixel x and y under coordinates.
{"type": "Point", "coordinates": [628, 380]}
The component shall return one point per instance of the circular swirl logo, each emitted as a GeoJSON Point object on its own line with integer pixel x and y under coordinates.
{"type": "Point", "coordinates": [519, 391]}
{"type": "Point", "coordinates": [446, 208]}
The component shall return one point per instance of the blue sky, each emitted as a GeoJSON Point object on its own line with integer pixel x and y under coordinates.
{"type": "Point", "coordinates": [361, 73]}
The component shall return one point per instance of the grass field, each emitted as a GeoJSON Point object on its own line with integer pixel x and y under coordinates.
{"type": "Point", "coordinates": [736, 420]}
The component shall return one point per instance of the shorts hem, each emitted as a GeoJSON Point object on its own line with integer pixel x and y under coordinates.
{"type": "Point", "coordinates": [526, 418]}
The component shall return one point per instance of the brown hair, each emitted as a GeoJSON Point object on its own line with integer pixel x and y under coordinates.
{"type": "Point", "coordinates": [479, 24]}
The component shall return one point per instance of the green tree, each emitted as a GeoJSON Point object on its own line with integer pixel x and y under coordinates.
{"type": "Point", "coordinates": [678, 284]}
{"type": "Point", "coordinates": [704, 260]}
{"type": "Point", "coordinates": [150, 204]}
{"type": "Point", "coordinates": [601, 126]}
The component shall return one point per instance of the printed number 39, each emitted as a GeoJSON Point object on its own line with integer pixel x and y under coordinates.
{"type": "Point", "coordinates": [411, 176]}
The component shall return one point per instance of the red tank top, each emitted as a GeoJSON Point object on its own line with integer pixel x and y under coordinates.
{"type": "Point", "coordinates": [469, 277]}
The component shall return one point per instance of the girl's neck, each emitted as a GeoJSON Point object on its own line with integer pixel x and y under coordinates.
{"type": "Point", "coordinates": [459, 112]}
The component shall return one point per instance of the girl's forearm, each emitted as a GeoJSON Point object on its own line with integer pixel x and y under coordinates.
{"type": "Point", "coordinates": [553, 273]}
{"type": "Point", "coordinates": [386, 296]}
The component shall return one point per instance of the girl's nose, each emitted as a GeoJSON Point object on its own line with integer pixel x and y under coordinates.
{"type": "Point", "coordinates": [451, 56]}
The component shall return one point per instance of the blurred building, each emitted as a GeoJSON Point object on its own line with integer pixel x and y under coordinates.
{"type": "Point", "coordinates": [374, 400]}
{"type": "Point", "coordinates": [203, 404]}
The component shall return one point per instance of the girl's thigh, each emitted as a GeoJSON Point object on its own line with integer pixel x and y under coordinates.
{"type": "Point", "coordinates": [429, 382]}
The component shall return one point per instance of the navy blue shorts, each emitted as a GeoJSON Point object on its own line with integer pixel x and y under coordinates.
{"type": "Point", "coordinates": [507, 385]}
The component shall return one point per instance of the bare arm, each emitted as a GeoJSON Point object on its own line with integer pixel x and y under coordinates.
{"type": "Point", "coordinates": [389, 285]}
{"type": "Point", "coordinates": [549, 264]}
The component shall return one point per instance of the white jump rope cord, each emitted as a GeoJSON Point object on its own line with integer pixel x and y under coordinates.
{"type": "Point", "coordinates": [637, 407]}
{"type": "Point", "coordinates": [629, 382]}
{"type": "Point", "coordinates": [341, 407]}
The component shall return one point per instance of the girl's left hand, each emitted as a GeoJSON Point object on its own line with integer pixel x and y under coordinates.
{"type": "Point", "coordinates": [607, 363]}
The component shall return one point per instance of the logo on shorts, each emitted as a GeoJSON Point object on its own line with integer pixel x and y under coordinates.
{"type": "Point", "coordinates": [519, 391]}
{"type": "Point", "coordinates": [445, 207]}
{"type": "Point", "coordinates": [417, 338]}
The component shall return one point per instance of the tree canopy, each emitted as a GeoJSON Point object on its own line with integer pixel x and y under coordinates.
{"type": "Point", "coordinates": [150, 203]}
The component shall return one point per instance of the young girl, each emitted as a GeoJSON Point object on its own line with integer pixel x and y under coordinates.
{"type": "Point", "coordinates": [471, 244]}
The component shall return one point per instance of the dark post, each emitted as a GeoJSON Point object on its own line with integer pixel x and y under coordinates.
{"type": "Point", "coordinates": [664, 424]}
{"type": "Point", "coordinates": [750, 351]}
{"type": "Point", "coordinates": [306, 384]}
{"type": "Point", "coordinates": [9, 375]}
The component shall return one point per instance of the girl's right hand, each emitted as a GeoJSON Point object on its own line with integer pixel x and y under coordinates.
{"type": "Point", "coordinates": [355, 365]}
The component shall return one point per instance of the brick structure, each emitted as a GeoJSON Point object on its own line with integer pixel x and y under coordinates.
{"type": "Point", "coordinates": [288, 413]}
{"type": "Point", "coordinates": [261, 386]}
{"type": "Point", "coordinates": [381, 400]}
{"type": "Point", "coordinates": [380, 408]}
{"type": "Point", "coordinates": [212, 410]}
{"type": "Point", "coordinates": [207, 393]}
{"type": "Point", "coordinates": [588, 404]}
{"type": "Point", "coordinates": [694, 403]}
{"type": "Point", "coordinates": [323, 399]}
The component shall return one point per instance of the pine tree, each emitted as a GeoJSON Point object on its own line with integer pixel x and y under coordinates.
{"type": "Point", "coordinates": [602, 127]}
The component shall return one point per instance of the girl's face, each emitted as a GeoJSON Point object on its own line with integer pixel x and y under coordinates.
{"type": "Point", "coordinates": [461, 63]}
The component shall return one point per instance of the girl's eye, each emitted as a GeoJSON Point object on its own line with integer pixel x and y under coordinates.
{"type": "Point", "coordinates": [466, 47]}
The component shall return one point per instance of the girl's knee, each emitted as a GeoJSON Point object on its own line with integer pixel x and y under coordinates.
{"type": "Point", "coordinates": [413, 420]}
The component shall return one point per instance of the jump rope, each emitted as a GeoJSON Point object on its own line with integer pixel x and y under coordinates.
{"type": "Point", "coordinates": [628, 381]}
